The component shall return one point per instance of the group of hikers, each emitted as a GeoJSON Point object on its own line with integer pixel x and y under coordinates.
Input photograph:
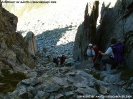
{"type": "Point", "coordinates": [114, 53]}
{"type": "Point", "coordinates": [59, 60]}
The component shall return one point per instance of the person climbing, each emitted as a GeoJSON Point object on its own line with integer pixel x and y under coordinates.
{"type": "Point", "coordinates": [115, 53]}
{"type": "Point", "coordinates": [90, 53]}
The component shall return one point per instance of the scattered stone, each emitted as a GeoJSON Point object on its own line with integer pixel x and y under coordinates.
{"type": "Point", "coordinates": [112, 78]}
{"type": "Point", "coordinates": [69, 94]}
{"type": "Point", "coordinates": [31, 74]}
{"type": "Point", "coordinates": [22, 92]}
{"type": "Point", "coordinates": [60, 81]}
{"type": "Point", "coordinates": [52, 88]}
{"type": "Point", "coordinates": [70, 81]}
{"type": "Point", "coordinates": [72, 73]}
{"type": "Point", "coordinates": [130, 87]}
{"type": "Point", "coordinates": [86, 91]}
{"type": "Point", "coordinates": [32, 90]}
{"type": "Point", "coordinates": [69, 62]}
{"type": "Point", "coordinates": [42, 95]}
{"type": "Point", "coordinates": [103, 90]}
{"type": "Point", "coordinates": [59, 96]}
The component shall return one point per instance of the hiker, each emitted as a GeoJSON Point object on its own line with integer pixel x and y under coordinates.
{"type": "Point", "coordinates": [114, 57]}
{"type": "Point", "coordinates": [63, 58]}
{"type": "Point", "coordinates": [56, 60]}
{"type": "Point", "coordinates": [90, 53]}
{"type": "Point", "coordinates": [59, 60]}
{"type": "Point", "coordinates": [96, 50]}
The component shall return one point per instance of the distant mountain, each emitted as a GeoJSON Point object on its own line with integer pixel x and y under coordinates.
{"type": "Point", "coordinates": [19, 7]}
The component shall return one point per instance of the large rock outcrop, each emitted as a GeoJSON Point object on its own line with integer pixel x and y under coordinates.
{"type": "Point", "coordinates": [31, 42]}
{"type": "Point", "coordinates": [86, 31]}
{"type": "Point", "coordinates": [13, 51]}
{"type": "Point", "coordinates": [8, 23]}
{"type": "Point", "coordinates": [117, 22]}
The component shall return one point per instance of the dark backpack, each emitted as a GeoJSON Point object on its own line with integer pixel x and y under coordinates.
{"type": "Point", "coordinates": [96, 50]}
{"type": "Point", "coordinates": [63, 58]}
{"type": "Point", "coordinates": [54, 59]}
{"type": "Point", "coordinates": [118, 50]}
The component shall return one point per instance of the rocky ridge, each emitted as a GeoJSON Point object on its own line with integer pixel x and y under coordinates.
{"type": "Point", "coordinates": [71, 80]}
{"type": "Point", "coordinates": [120, 19]}
{"type": "Point", "coordinates": [13, 51]}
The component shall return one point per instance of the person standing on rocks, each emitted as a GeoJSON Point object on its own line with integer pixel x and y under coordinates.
{"type": "Point", "coordinates": [56, 60]}
{"type": "Point", "coordinates": [59, 60]}
{"type": "Point", "coordinates": [90, 53]}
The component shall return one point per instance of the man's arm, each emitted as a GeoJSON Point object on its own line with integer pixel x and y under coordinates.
{"type": "Point", "coordinates": [103, 54]}
{"type": "Point", "coordinates": [108, 52]}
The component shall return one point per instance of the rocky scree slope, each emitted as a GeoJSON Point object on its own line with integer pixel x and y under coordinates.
{"type": "Point", "coordinates": [78, 80]}
{"type": "Point", "coordinates": [48, 81]}
{"type": "Point", "coordinates": [54, 24]}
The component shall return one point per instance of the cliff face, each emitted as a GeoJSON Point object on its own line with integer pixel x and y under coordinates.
{"type": "Point", "coordinates": [13, 51]}
{"type": "Point", "coordinates": [115, 21]}
{"type": "Point", "coordinates": [30, 41]}
{"type": "Point", "coordinates": [86, 31]}
{"type": "Point", "coordinates": [9, 23]}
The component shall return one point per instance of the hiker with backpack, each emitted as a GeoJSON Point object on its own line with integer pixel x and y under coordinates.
{"type": "Point", "coordinates": [90, 53]}
{"type": "Point", "coordinates": [115, 53]}
{"type": "Point", "coordinates": [56, 60]}
{"type": "Point", "coordinates": [63, 58]}
{"type": "Point", "coordinates": [59, 60]}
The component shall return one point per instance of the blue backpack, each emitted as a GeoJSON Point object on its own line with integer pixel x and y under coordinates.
{"type": "Point", "coordinates": [54, 59]}
{"type": "Point", "coordinates": [118, 50]}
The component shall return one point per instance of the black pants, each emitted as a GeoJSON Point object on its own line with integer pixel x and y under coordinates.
{"type": "Point", "coordinates": [110, 61]}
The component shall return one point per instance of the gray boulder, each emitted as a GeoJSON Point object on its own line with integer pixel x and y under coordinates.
{"type": "Point", "coordinates": [86, 31]}
{"type": "Point", "coordinates": [31, 42]}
